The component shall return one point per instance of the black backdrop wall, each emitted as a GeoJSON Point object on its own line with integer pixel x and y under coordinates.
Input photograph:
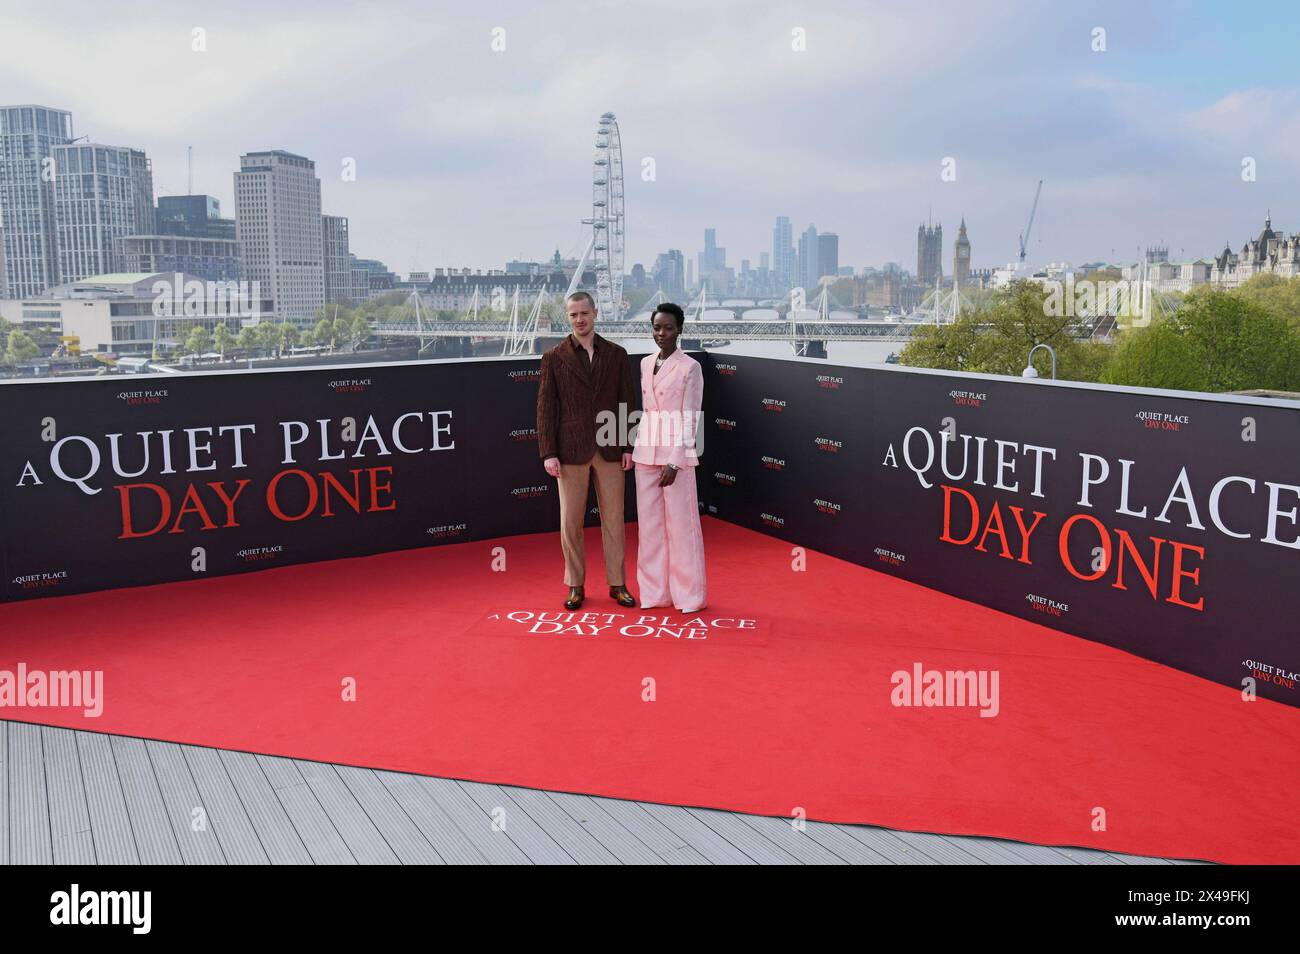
{"type": "Point", "coordinates": [1164, 525]}
{"type": "Point", "coordinates": [119, 482]}
{"type": "Point", "coordinates": [1167, 526]}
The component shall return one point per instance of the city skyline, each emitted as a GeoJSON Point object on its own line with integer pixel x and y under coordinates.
{"type": "Point", "coordinates": [449, 148]}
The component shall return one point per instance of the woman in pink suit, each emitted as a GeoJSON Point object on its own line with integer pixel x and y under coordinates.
{"type": "Point", "coordinates": [670, 546]}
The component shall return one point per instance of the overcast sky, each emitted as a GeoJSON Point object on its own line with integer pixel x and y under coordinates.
{"type": "Point", "coordinates": [468, 157]}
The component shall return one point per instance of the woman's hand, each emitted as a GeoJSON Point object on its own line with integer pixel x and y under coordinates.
{"type": "Point", "coordinates": [667, 475]}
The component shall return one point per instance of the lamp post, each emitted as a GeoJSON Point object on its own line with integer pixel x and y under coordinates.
{"type": "Point", "coordinates": [1032, 372]}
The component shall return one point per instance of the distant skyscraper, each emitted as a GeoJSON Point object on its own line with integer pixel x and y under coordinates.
{"type": "Point", "coordinates": [337, 264]}
{"type": "Point", "coordinates": [101, 193]}
{"type": "Point", "coordinates": [929, 255]}
{"type": "Point", "coordinates": [670, 272]}
{"type": "Point", "coordinates": [961, 257]}
{"type": "Point", "coordinates": [278, 224]}
{"type": "Point", "coordinates": [783, 253]}
{"type": "Point", "coordinates": [713, 264]}
{"type": "Point", "coordinates": [808, 249]}
{"type": "Point", "coordinates": [29, 261]}
{"type": "Point", "coordinates": [828, 254]}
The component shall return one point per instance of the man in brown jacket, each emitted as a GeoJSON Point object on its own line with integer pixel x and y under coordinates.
{"type": "Point", "coordinates": [584, 376]}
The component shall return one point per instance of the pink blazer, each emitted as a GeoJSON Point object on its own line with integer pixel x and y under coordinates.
{"type": "Point", "coordinates": [671, 403]}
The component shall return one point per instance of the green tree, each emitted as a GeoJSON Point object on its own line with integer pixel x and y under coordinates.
{"type": "Point", "coordinates": [289, 335]}
{"type": "Point", "coordinates": [324, 332]}
{"type": "Point", "coordinates": [222, 339]}
{"type": "Point", "coordinates": [20, 347]}
{"type": "Point", "coordinates": [1279, 295]}
{"type": "Point", "coordinates": [359, 331]}
{"type": "Point", "coordinates": [249, 338]}
{"type": "Point", "coordinates": [269, 336]}
{"type": "Point", "coordinates": [198, 341]}
{"type": "Point", "coordinates": [953, 347]}
{"type": "Point", "coordinates": [1216, 341]}
{"type": "Point", "coordinates": [998, 338]}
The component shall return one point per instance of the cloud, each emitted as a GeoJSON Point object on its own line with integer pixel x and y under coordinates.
{"type": "Point", "coordinates": [468, 156]}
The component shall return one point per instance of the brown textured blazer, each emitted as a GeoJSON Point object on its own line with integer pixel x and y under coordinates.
{"type": "Point", "coordinates": [573, 391]}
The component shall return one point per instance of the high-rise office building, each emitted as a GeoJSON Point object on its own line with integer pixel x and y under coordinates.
{"type": "Point", "coordinates": [196, 216]}
{"type": "Point", "coordinates": [783, 253]}
{"type": "Point", "coordinates": [961, 257]}
{"type": "Point", "coordinates": [828, 254]}
{"type": "Point", "coordinates": [808, 249]}
{"type": "Point", "coordinates": [213, 259]}
{"type": "Point", "coordinates": [101, 193]}
{"type": "Point", "coordinates": [189, 236]}
{"type": "Point", "coordinates": [29, 261]}
{"type": "Point", "coordinates": [670, 272]}
{"type": "Point", "coordinates": [713, 264]}
{"type": "Point", "coordinates": [929, 255]}
{"type": "Point", "coordinates": [337, 264]}
{"type": "Point", "coordinates": [278, 225]}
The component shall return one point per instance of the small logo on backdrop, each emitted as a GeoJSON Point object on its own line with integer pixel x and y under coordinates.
{"type": "Point", "coordinates": [349, 385]}
{"type": "Point", "coordinates": [1276, 675]}
{"type": "Point", "coordinates": [524, 434]}
{"type": "Point", "coordinates": [946, 688]}
{"type": "Point", "coordinates": [892, 557]}
{"type": "Point", "coordinates": [1160, 421]}
{"type": "Point", "coordinates": [53, 689]}
{"type": "Point", "coordinates": [828, 446]}
{"type": "Point", "coordinates": [1043, 605]}
{"type": "Point", "coordinates": [652, 627]}
{"type": "Point", "coordinates": [773, 404]}
{"type": "Point", "coordinates": [772, 520]}
{"type": "Point", "coordinates": [829, 382]}
{"type": "Point", "coordinates": [131, 909]}
{"type": "Point", "coordinates": [537, 490]}
{"type": "Point", "coordinates": [448, 530]}
{"type": "Point", "coordinates": [138, 398]}
{"type": "Point", "coordinates": [36, 581]}
{"type": "Point", "coordinates": [724, 424]}
{"type": "Point", "coordinates": [773, 463]}
{"type": "Point", "coordinates": [726, 369]}
{"type": "Point", "coordinates": [727, 480]}
{"type": "Point", "coordinates": [525, 375]}
{"type": "Point", "coordinates": [968, 398]}
{"type": "Point", "coordinates": [827, 506]}
{"type": "Point", "coordinates": [254, 554]}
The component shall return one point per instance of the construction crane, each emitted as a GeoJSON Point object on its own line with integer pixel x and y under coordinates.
{"type": "Point", "coordinates": [1024, 236]}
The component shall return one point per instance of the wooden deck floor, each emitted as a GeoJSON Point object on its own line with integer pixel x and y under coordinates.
{"type": "Point", "coordinates": [70, 797]}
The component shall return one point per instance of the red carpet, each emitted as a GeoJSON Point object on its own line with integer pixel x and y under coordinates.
{"type": "Point", "coordinates": [790, 711]}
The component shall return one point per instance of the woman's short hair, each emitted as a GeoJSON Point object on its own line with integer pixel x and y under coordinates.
{"type": "Point", "coordinates": [669, 308]}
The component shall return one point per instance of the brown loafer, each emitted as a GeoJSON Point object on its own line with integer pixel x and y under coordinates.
{"type": "Point", "coordinates": [621, 596]}
{"type": "Point", "coordinates": [574, 599]}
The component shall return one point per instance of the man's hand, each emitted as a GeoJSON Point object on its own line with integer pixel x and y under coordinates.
{"type": "Point", "coordinates": [552, 465]}
{"type": "Point", "coordinates": [627, 462]}
{"type": "Point", "coordinates": [667, 476]}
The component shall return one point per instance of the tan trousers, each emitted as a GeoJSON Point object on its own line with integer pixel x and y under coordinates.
{"type": "Point", "coordinates": [574, 479]}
